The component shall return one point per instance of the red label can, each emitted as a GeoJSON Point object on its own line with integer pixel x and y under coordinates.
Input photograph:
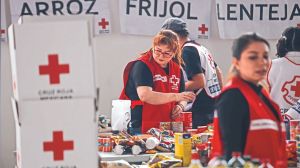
{"type": "Point", "coordinates": [187, 120]}
{"type": "Point", "coordinates": [105, 144]}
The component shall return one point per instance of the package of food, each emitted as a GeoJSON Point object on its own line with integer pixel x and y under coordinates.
{"type": "Point", "coordinates": [152, 142]}
{"type": "Point", "coordinates": [165, 125]}
{"type": "Point", "coordinates": [115, 164]}
{"type": "Point", "coordinates": [160, 160]}
{"type": "Point", "coordinates": [137, 149]}
{"type": "Point", "coordinates": [154, 132]}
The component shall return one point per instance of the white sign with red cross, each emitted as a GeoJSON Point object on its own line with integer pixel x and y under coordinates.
{"type": "Point", "coordinates": [57, 133]}
{"type": "Point", "coordinates": [134, 15]}
{"type": "Point", "coordinates": [52, 60]}
{"type": "Point", "coordinates": [97, 8]}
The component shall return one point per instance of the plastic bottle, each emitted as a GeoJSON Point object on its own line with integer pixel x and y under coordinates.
{"type": "Point", "coordinates": [203, 154]}
{"type": "Point", "coordinates": [265, 164]}
{"type": "Point", "coordinates": [236, 161]}
{"type": "Point", "coordinates": [195, 162]}
{"type": "Point", "coordinates": [217, 162]}
{"type": "Point", "coordinates": [256, 162]}
{"type": "Point", "coordinates": [248, 162]}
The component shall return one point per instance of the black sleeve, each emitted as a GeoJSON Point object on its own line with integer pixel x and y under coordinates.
{"type": "Point", "coordinates": [141, 75]}
{"type": "Point", "coordinates": [182, 83]}
{"type": "Point", "coordinates": [192, 61]}
{"type": "Point", "coordinates": [234, 119]}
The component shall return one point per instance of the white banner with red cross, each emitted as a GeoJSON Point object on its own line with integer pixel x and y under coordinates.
{"type": "Point", "coordinates": [98, 8]}
{"type": "Point", "coordinates": [46, 66]}
{"type": "Point", "coordinates": [146, 17]}
{"type": "Point", "coordinates": [267, 18]}
{"type": "Point", "coordinates": [3, 24]}
{"type": "Point", "coordinates": [56, 133]}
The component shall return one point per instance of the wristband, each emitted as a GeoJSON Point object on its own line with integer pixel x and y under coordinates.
{"type": "Point", "coordinates": [181, 106]}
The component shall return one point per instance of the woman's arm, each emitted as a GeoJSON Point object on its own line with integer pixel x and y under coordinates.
{"type": "Point", "coordinates": [197, 82]}
{"type": "Point", "coordinates": [219, 76]}
{"type": "Point", "coordinates": [146, 94]}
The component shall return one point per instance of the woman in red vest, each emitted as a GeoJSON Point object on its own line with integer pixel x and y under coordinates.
{"type": "Point", "coordinates": [246, 119]}
{"type": "Point", "coordinates": [154, 83]}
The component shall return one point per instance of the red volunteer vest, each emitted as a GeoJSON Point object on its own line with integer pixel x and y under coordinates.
{"type": "Point", "coordinates": [154, 114]}
{"type": "Point", "coordinates": [266, 135]}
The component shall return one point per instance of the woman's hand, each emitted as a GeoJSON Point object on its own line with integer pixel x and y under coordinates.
{"type": "Point", "coordinates": [176, 111]}
{"type": "Point", "coordinates": [185, 96]}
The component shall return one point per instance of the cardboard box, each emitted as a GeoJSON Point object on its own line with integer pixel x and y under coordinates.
{"type": "Point", "coordinates": [57, 133]}
{"type": "Point", "coordinates": [58, 18]}
{"type": "Point", "coordinates": [52, 60]}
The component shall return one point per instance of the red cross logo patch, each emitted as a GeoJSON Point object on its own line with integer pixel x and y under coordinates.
{"type": "Point", "coordinates": [54, 69]}
{"type": "Point", "coordinates": [58, 145]}
{"type": "Point", "coordinates": [291, 90]}
{"type": "Point", "coordinates": [203, 29]}
{"type": "Point", "coordinates": [103, 23]}
{"type": "Point", "coordinates": [174, 81]}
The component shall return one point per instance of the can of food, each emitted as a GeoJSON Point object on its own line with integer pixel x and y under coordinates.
{"type": "Point", "coordinates": [165, 125]}
{"type": "Point", "coordinates": [201, 129]}
{"type": "Point", "coordinates": [294, 126]}
{"type": "Point", "coordinates": [137, 149]}
{"type": "Point", "coordinates": [152, 142]}
{"type": "Point", "coordinates": [192, 131]}
{"type": "Point", "coordinates": [105, 144]}
{"type": "Point", "coordinates": [187, 120]}
{"type": "Point", "coordinates": [119, 149]}
{"type": "Point", "coordinates": [183, 148]}
{"type": "Point", "coordinates": [177, 126]}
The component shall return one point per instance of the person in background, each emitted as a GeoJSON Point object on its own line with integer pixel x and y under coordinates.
{"type": "Point", "coordinates": [284, 73]}
{"type": "Point", "coordinates": [246, 119]}
{"type": "Point", "coordinates": [154, 83]}
{"type": "Point", "coordinates": [203, 75]}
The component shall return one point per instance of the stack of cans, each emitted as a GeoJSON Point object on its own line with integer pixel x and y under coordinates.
{"type": "Point", "coordinates": [186, 119]}
{"type": "Point", "coordinates": [105, 144]}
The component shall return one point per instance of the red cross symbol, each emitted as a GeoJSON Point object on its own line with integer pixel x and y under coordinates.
{"type": "Point", "coordinates": [53, 69]}
{"type": "Point", "coordinates": [174, 80]}
{"type": "Point", "coordinates": [298, 25]}
{"type": "Point", "coordinates": [203, 29]}
{"type": "Point", "coordinates": [103, 23]}
{"type": "Point", "coordinates": [296, 88]}
{"type": "Point", "coordinates": [58, 145]}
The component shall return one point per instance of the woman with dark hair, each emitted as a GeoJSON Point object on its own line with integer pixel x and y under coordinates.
{"type": "Point", "coordinates": [284, 73]}
{"type": "Point", "coordinates": [154, 83]}
{"type": "Point", "coordinates": [246, 119]}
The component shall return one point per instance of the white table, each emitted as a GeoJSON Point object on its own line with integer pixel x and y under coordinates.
{"type": "Point", "coordinates": [111, 156]}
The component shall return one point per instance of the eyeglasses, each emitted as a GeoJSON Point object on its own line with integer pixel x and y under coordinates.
{"type": "Point", "coordinates": [165, 54]}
